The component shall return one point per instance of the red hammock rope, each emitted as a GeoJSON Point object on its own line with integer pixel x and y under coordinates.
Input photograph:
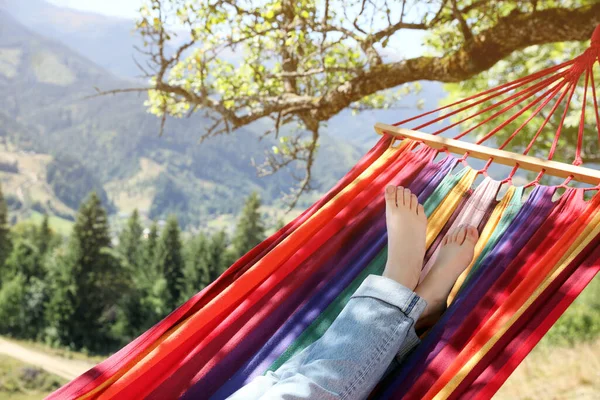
{"type": "Point", "coordinates": [534, 92]}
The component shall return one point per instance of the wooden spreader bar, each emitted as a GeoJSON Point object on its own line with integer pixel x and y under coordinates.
{"type": "Point", "coordinates": [553, 168]}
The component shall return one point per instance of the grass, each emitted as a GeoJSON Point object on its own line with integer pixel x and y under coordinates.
{"type": "Point", "coordinates": [57, 224]}
{"type": "Point", "coordinates": [29, 186]}
{"type": "Point", "coordinates": [19, 381]}
{"type": "Point", "coordinates": [556, 372]}
{"type": "Point", "coordinates": [135, 192]}
{"type": "Point", "coordinates": [566, 362]}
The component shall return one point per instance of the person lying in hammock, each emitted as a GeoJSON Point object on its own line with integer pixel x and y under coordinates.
{"type": "Point", "coordinates": [378, 326]}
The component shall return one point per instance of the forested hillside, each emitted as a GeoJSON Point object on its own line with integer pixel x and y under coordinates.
{"type": "Point", "coordinates": [112, 145]}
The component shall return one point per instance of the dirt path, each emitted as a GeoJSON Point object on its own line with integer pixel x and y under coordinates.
{"type": "Point", "coordinates": [65, 368]}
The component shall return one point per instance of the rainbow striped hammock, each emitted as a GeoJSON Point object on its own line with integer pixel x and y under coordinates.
{"type": "Point", "coordinates": [535, 255]}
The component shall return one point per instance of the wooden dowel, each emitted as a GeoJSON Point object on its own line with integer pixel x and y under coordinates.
{"type": "Point", "coordinates": [553, 168]}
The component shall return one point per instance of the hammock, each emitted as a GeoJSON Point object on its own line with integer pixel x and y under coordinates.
{"type": "Point", "coordinates": [533, 258]}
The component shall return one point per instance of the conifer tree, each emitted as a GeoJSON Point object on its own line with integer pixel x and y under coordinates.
{"type": "Point", "coordinates": [13, 312]}
{"type": "Point", "coordinates": [23, 295]}
{"type": "Point", "coordinates": [169, 261]}
{"type": "Point", "coordinates": [148, 305]}
{"type": "Point", "coordinates": [4, 233]}
{"type": "Point", "coordinates": [250, 229]}
{"type": "Point", "coordinates": [24, 259]}
{"type": "Point", "coordinates": [219, 257]}
{"type": "Point", "coordinates": [150, 245]}
{"type": "Point", "coordinates": [89, 283]}
{"type": "Point", "coordinates": [197, 274]}
{"type": "Point", "coordinates": [130, 241]}
{"type": "Point", "coordinates": [131, 316]}
{"type": "Point", "coordinates": [45, 237]}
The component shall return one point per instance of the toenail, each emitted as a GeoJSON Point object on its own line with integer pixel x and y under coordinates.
{"type": "Point", "coordinates": [390, 189]}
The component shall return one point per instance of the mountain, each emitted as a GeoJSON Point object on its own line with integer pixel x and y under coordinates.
{"type": "Point", "coordinates": [65, 145]}
{"type": "Point", "coordinates": [107, 41]}
{"type": "Point", "coordinates": [359, 128]}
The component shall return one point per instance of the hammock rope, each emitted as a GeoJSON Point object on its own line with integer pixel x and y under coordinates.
{"type": "Point", "coordinates": [533, 258]}
{"type": "Point", "coordinates": [562, 78]}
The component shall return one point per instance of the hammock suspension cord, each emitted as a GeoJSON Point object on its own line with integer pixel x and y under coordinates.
{"type": "Point", "coordinates": [533, 93]}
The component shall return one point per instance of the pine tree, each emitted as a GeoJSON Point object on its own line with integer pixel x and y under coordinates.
{"type": "Point", "coordinates": [89, 283]}
{"type": "Point", "coordinates": [45, 237]}
{"type": "Point", "coordinates": [169, 260]}
{"type": "Point", "coordinates": [147, 305]}
{"type": "Point", "coordinates": [197, 274]}
{"type": "Point", "coordinates": [130, 241]}
{"type": "Point", "coordinates": [131, 317]}
{"type": "Point", "coordinates": [150, 246]}
{"type": "Point", "coordinates": [219, 257]}
{"type": "Point", "coordinates": [13, 312]}
{"type": "Point", "coordinates": [5, 245]}
{"type": "Point", "coordinates": [24, 259]}
{"type": "Point", "coordinates": [25, 289]}
{"type": "Point", "coordinates": [250, 229]}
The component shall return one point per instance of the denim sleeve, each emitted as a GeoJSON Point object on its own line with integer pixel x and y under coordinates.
{"type": "Point", "coordinates": [376, 326]}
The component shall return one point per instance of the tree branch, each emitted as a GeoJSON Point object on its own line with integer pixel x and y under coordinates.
{"type": "Point", "coordinates": [511, 33]}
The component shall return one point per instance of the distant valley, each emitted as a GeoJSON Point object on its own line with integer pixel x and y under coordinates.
{"type": "Point", "coordinates": [56, 146]}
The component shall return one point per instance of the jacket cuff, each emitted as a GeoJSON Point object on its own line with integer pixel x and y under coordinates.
{"type": "Point", "coordinates": [393, 293]}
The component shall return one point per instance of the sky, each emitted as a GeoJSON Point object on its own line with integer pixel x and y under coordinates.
{"type": "Point", "coordinates": [405, 44]}
{"type": "Point", "coordinates": [115, 8]}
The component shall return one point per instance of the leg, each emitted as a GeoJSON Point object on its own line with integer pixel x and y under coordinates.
{"type": "Point", "coordinates": [455, 255]}
{"type": "Point", "coordinates": [376, 325]}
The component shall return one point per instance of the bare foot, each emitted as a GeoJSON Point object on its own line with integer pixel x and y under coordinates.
{"type": "Point", "coordinates": [455, 255]}
{"type": "Point", "coordinates": [406, 226]}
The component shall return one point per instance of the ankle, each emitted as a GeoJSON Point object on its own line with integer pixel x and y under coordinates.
{"type": "Point", "coordinates": [402, 276]}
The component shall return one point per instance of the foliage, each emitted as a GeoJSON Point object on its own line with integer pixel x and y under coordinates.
{"type": "Point", "coordinates": [22, 307]}
{"type": "Point", "coordinates": [150, 245]}
{"type": "Point", "coordinates": [299, 63]}
{"type": "Point", "coordinates": [4, 231]}
{"type": "Point", "coordinates": [25, 259]}
{"type": "Point", "coordinates": [197, 273]}
{"type": "Point", "coordinates": [168, 199]}
{"type": "Point", "coordinates": [13, 202]}
{"type": "Point", "coordinates": [45, 238]}
{"type": "Point", "coordinates": [100, 299]}
{"type": "Point", "coordinates": [250, 230]}
{"type": "Point", "coordinates": [169, 262]}
{"type": "Point", "coordinates": [21, 381]}
{"type": "Point", "coordinates": [219, 257]}
{"type": "Point", "coordinates": [130, 241]}
{"type": "Point", "coordinates": [523, 63]}
{"type": "Point", "coordinates": [581, 322]}
{"type": "Point", "coordinates": [13, 313]}
{"type": "Point", "coordinates": [71, 181]}
{"type": "Point", "coordinates": [116, 139]}
{"type": "Point", "coordinates": [88, 283]}
{"type": "Point", "coordinates": [24, 291]}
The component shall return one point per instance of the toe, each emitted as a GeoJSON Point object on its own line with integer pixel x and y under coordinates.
{"type": "Point", "coordinates": [400, 196]}
{"type": "Point", "coordinates": [407, 194]}
{"type": "Point", "coordinates": [472, 235]}
{"type": "Point", "coordinates": [420, 210]}
{"type": "Point", "coordinates": [461, 234]}
{"type": "Point", "coordinates": [414, 202]}
{"type": "Point", "coordinates": [390, 196]}
{"type": "Point", "coordinates": [454, 234]}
